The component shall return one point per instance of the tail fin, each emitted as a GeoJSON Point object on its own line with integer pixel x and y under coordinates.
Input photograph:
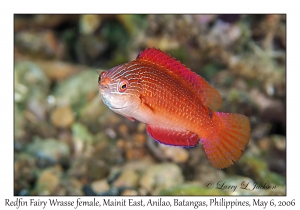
{"type": "Point", "coordinates": [230, 137]}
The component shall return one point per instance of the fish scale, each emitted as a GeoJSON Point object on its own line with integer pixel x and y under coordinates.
{"type": "Point", "coordinates": [172, 94]}
{"type": "Point", "coordinates": [177, 105]}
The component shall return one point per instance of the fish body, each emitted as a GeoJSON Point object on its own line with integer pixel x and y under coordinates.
{"type": "Point", "coordinates": [178, 106]}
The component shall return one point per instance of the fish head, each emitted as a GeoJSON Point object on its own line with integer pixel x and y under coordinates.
{"type": "Point", "coordinates": [119, 89]}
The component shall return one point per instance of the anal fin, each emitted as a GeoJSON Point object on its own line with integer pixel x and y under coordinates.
{"type": "Point", "coordinates": [169, 136]}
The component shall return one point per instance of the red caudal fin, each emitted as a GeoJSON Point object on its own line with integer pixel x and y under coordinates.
{"type": "Point", "coordinates": [225, 145]}
{"type": "Point", "coordinates": [173, 137]}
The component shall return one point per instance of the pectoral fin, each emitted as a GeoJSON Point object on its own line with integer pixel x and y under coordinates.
{"type": "Point", "coordinates": [130, 118]}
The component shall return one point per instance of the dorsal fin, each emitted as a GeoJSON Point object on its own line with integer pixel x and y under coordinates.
{"type": "Point", "coordinates": [208, 95]}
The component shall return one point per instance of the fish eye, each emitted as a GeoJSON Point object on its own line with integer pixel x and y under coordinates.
{"type": "Point", "coordinates": [123, 85]}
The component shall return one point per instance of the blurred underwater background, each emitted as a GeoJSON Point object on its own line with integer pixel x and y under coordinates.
{"type": "Point", "coordinates": [67, 142]}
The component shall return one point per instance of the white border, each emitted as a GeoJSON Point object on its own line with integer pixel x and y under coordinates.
{"type": "Point", "coordinates": [154, 6]}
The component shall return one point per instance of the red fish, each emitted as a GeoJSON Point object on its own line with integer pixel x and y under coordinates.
{"type": "Point", "coordinates": [177, 105]}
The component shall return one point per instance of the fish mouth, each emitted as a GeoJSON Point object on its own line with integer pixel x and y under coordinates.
{"type": "Point", "coordinates": [118, 107]}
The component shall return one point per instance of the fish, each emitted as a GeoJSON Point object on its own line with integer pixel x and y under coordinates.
{"type": "Point", "coordinates": [178, 106]}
